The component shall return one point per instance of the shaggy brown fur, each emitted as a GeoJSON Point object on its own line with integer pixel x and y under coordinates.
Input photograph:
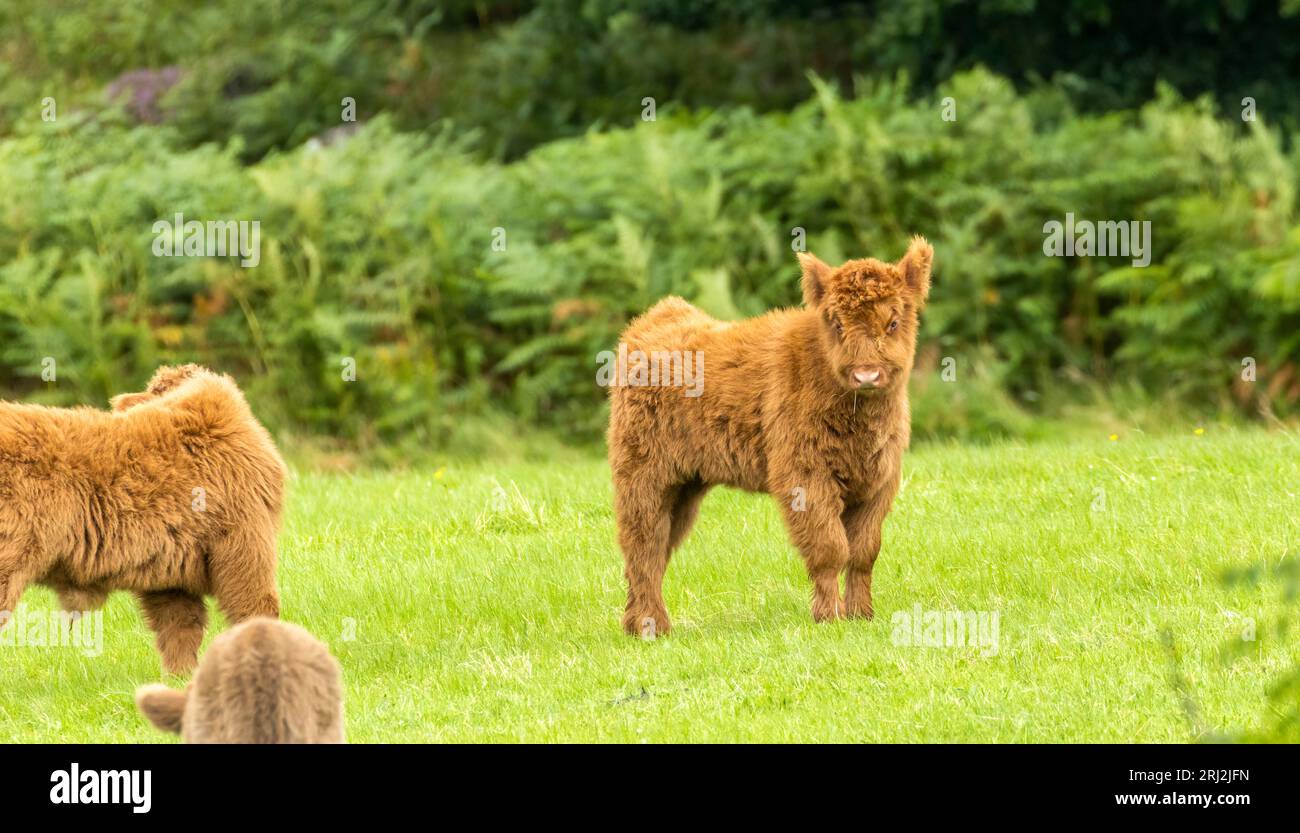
{"type": "Point", "coordinates": [809, 405]}
{"type": "Point", "coordinates": [92, 501]}
{"type": "Point", "coordinates": [261, 682]}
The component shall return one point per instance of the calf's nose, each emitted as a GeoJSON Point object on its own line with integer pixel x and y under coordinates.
{"type": "Point", "coordinates": [866, 375]}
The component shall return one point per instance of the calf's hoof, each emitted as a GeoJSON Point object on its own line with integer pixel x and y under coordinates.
{"type": "Point", "coordinates": [827, 610]}
{"type": "Point", "coordinates": [646, 625]}
{"type": "Point", "coordinates": [858, 608]}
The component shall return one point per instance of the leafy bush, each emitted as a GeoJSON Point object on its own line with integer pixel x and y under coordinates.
{"type": "Point", "coordinates": [518, 74]}
{"type": "Point", "coordinates": [380, 249]}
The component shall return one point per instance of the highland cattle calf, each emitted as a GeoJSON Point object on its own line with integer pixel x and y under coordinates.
{"type": "Point", "coordinates": [809, 405]}
{"type": "Point", "coordinates": [173, 495]}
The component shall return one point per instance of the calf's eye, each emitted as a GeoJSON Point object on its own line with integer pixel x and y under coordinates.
{"type": "Point", "coordinates": [893, 325]}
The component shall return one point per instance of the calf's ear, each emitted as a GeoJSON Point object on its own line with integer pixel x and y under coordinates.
{"type": "Point", "coordinates": [915, 267]}
{"type": "Point", "coordinates": [815, 275]}
{"type": "Point", "coordinates": [162, 705]}
{"type": "Point", "coordinates": [169, 376]}
{"type": "Point", "coordinates": [123, 401]}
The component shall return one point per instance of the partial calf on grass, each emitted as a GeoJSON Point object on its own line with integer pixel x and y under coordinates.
{"type": "Point", "coordinates": [809, 405]}
{"type": "Point", "coordinates": [263, 681]}
{"type": "Point", "coordinates": [173, 495]}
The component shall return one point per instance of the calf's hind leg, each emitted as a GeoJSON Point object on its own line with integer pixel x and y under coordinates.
{"type": "Point", "coordinates": [242, 569]}
{"type": "Point", "coordinates": [645, 524]}
{"type": "Point", "coordinates": [178, 620]}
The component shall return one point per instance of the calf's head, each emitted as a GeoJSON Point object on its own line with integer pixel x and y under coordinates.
{"type": "Point", "coordinates": [868, 315]}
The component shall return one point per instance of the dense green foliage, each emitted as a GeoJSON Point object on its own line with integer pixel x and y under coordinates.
{"type": "Point", "coordinates": [381, 248]}
{"type": "Point", "coordinates": [518, 73]}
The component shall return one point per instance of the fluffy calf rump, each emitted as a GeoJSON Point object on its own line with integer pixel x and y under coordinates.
{"type": "Point", "coordinates": [261, 682]}
{"type": "Point", "coordinates": [174, 495]}
{"type": "Point", "coordinates": [809, 405]}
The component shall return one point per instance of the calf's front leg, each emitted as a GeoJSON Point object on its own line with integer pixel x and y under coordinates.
{"type": "Point", "coordinates": [817, 532]}
{"type": "Point", "coordinates": [862, 524]}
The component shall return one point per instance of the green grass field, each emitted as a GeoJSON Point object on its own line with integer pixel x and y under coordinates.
{"type": "Point", "coordinates": [463, 616]}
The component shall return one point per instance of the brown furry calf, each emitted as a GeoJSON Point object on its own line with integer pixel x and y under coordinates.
{"type": "Point", "coordinates": [809, 405]}
{"type": "Point", "coordinates": [261, 682]}
{"type": "Point", "coordinates": [174, 495]}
